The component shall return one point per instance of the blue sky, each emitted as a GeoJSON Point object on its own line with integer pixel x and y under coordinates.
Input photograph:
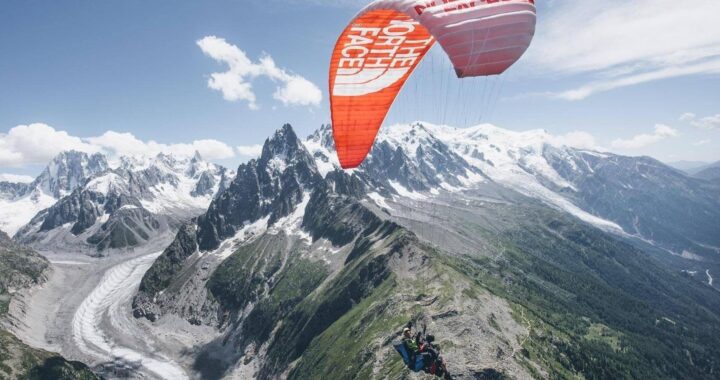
{"type": "Point", "coordinates": [615, 76]}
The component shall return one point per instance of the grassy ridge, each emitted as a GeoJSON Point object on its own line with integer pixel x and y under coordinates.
{"type": "Point", "coordinates": [600, 307]}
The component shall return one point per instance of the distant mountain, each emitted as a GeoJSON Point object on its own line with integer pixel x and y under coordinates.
{"type": "Point", "coordinates": [499, 241]}
{"type": "Point", "coordinates": [646, 198]}
{"type": "Point", "coordinates": [22, 268]}
{"type": "Point", "coordinates": [68, 171]}
{"type": "Point", "coordinates": [627, 196]}
{"type": "Point", "coordinates": [710, 172]}
{"type": "Point", "coordinates": [20, 202]}
{"type": "Point", "coordinates": [143, 201]}
{"type": "Point", "coordinates": [12, 190]}
{"type": "Point", "coordinates": [689, 167]}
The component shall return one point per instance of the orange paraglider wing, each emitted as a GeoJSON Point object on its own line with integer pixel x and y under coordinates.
{"type": "Point", "coordinates": [378, 51]}
{"type": "Point", "coordinates": [373, 58]}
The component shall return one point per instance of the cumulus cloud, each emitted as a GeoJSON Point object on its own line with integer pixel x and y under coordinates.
{"type": "Point", "coordinates": [127, 144]}
{"type": "Point", "coordinates": [623, 43]}
{"type": "Point", "coordinates": [15, 178]}
{"type": "Point", "coordinates": [702, 142]}
{"type": "Point", "coordinates": [577, 139]}
{"type": "Point", "coordinates": [250, 150]}
{"type": "Point", "coordinates": [708, 123]}
{"type": "Point", "coordinates": [236, 83]}
{"type": "Point", "coordinates": [661, 132]}
{"type": "Point", "coordinates": [298, 91]}
{"type": "Point", "coordinates": [36, 144]}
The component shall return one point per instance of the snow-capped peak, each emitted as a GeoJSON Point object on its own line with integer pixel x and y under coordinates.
{"type": "Point", "coordinates": [61, 176]}
{"type": "Point", "coordinates": [69, 170]}
{"type": "Point", "coordinates": [106, 183]}
{"type": "Point", "coordinates": [167, 184]}
{"type": "Point", "coordinates": [164, 185]}
{"type": "Point", "coordinates": [423, 157]}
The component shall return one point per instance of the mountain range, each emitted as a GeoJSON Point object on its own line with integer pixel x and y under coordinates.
{"type": "Point", "coordinates": [80, 202]}
{"type": "Point", "coordinates": [526, 257]}
{"type": "Point", "coordinates": [710, 172]}
{"type": "Point", "coordinates": [20, 202]}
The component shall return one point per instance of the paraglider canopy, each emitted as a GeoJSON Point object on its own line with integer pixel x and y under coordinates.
{"type": "Point", "coordinates": [380, 48]}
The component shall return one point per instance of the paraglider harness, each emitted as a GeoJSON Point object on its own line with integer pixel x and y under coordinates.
{"type": "Point", "coordinates": [427, 358]}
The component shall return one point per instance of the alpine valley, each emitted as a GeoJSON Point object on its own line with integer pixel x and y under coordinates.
{"type": "Point", "coordinates": [527, 259]}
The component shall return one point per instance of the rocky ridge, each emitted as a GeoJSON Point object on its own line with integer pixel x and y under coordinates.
{"type": "Point", "coordinates": [305, 270]}
{"type": "Point", "coordinates": [141, 202]}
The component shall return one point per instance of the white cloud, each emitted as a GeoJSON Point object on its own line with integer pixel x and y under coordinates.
{"type": "Point", "coordinates": [36, 144]}
{"type": "Point", "coordinates": [212, 149]}
{"type": "Point", "coordinates": [236, 83]}
{"type": "Point", "coordinates": [577, 139]}
{"type": "Point", "coordinates": [15, 178]}
{"type": "Point", "coordinates": [624, 43]}
{"type": "Point", "coordinates": [710, 67]}
{"type": "Point", "coordinates": [702, 142]}
{"type": "Point", "coordinates": [299, 91]}
{"type": "Point", "coordinates": [126, 144]}
{"type": "Point", "coordinates": [250, 150]}
{"type": "Point", "coordinates": [709, 122]}
{"type": "Point", "coordinates": [661, 132]}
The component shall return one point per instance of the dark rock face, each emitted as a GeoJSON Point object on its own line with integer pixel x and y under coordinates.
{"type": "Point", "coordinates": [65, 173]}
{"type": "Point", "coordinates": [337, 217]}
{"type": "Point", "coordinates": [171, 261]}
{"type": "Point", "coordinates": [127, 224]}
{"type": "Point", "coordinates": [236, 205]}
{"type": "Point", "coordinates": [13, 191]}
{"type": "Point", "coordinates": [205, 185]}
{"type": "Point", "coordinates": [430, 165]}
{"type": "Point", "coordinates": [80, 208]}
{"type": "Point", "coordinates": [163, 272]}
{"type": "Point", "coordinates": [421, 169]}
{"type": "Point", "coordinates": [61, 176]}
{"type": "Point", "coordinates": [107, 210]}
{"type": "Point", "coordinates": [270, 186]}
{"type": "Point", "coordinates": [125, 228]}
{"type": "Point", "coordinates": [69, 170]}
{"type": "Point", "coordinates": [20, 267]}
